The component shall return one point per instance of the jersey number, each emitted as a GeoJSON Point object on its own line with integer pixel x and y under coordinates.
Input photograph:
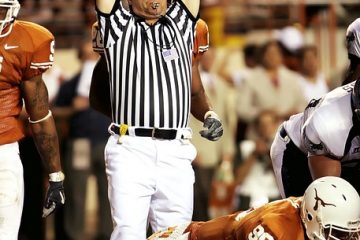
{"type": "Point", "coordinates": [259, 234]}
{"type": "Point", "coordinates": [52, 51]}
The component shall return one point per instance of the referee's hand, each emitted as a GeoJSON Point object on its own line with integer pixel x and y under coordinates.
{"type": "Point", "coordinates": [213, 127]}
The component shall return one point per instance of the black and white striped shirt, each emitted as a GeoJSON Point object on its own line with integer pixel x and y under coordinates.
{"type": "Point", "coordinates": [150, 66]}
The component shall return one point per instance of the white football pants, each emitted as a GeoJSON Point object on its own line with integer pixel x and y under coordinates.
{"type": "Point", "coordinates": [150, 181]}
{"type": "Point", "coordinates": [11, 191]}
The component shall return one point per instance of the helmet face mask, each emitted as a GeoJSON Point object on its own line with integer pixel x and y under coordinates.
{"type": "Point", "coordinates": [336, 233]}
{"type": "Point", "coordinates": [9, 10]}
{"type": "Point", "coordinates": [331, 210]}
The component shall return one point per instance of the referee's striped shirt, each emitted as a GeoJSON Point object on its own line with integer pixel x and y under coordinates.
{"type": "Point", "coordinates": [150, 66]}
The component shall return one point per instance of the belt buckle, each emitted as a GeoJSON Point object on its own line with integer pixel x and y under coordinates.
{"type": "Point", "coordinates": [153, 132]}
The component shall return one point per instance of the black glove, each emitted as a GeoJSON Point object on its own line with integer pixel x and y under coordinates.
{"type": "Point", "coordinates": [214, 129]}
{"type": "Point", "coordinates": [55, 197]}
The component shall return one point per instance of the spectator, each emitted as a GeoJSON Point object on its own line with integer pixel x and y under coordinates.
{"type": "Point", "coordinates": [322, 140]}
{"type": "Point", "coordinates": [290, 40]}
{"type": "Point", "coordinates": [210, 154]}
{"type": "Point", "coordinates": [27, 54]}
{"type": "Point", "coordinates": [235, 78]}
{"type": "Point", "coordinates": [84, 149]}
{"type": "Point", "coordinates": [255, 178]}
{"type": "Point", "coordinates": [312, 81]}
{"type": "Point", "coordinates": [271, 86]}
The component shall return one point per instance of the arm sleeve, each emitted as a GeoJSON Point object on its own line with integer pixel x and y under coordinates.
{"type": "Point", "coordinates": [42, 57]}
{"type": "Point", "coordinates": [118, 17]}
{"type": "Point", "coordinates": [181, 16]}
{"type": "Point", "coordinates": [201, 41]}
{"type": "Point", "coordinates": [312, 140]}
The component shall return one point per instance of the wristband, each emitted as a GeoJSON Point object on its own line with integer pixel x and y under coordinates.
{"type": "Point", "coordinates": [40, 120]}
{"type": "Point", "coordinates": [211, 113]}
{"type": "Point", "coordinates": [56, 177]}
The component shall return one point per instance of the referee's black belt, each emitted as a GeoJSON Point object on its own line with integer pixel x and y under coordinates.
{"type": "Point", "coordinates": [283, 132]}
{"type": "Point", "coordinates": [158, 133]}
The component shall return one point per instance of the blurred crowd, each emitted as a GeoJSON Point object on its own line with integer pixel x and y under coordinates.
{"type": "Point", "coordinates": [276, 79]}
{"type": "Point", "coordinates": [46, 10]}
{"type": "Point", "coordinates": [66, 19]}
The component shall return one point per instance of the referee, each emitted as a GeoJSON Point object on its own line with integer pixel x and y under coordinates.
{"type": "Point", "coordinates": [148, 157]}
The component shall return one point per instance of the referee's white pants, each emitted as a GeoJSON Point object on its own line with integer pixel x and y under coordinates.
{"type": "Point", "coordinates": [11, 191]}
{"type": "Point", "coordinates": [150, 181]}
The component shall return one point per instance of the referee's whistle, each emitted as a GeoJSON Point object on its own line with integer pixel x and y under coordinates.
{"type": "Point", "coordinates": [155, 5]}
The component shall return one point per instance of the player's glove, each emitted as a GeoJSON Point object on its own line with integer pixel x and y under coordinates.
{"type": "Point", "coordinates": [55, 195]}
{"type": "Point", "coordinates": [213, 126]}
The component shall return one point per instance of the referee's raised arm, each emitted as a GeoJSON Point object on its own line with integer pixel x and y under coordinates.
{"type": "Point", "coordinates": [105, 6]}
{"type": "Point", "coordinates": [192, 5]}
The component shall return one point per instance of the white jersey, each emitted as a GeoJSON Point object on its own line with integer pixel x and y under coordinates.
{"type": "Point", "coordinates": [326, 127]}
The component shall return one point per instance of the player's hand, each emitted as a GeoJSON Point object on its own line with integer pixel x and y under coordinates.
{"type": "Point", "coordinates": [213, 127]}
{"type": "Point", "coordinates": [55, 197]}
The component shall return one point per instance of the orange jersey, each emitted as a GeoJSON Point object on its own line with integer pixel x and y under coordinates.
{"type": "Point", "coordinates": [26, 52]}
{"type": "Point", "coordinates": [278, 220]}
{"type": "Point", "coordinates": [201, 41]}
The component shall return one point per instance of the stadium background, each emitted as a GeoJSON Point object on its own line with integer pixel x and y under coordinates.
{"type": "Point", "coordinates": [232, 23]}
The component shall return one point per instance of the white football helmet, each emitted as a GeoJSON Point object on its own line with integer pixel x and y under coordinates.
{"type": "Point", "coordinates": [352, 38]}
{"type": "Point", "coordinates": [331, 210]}
{"type": "Point", "coordinates": [9, 10]}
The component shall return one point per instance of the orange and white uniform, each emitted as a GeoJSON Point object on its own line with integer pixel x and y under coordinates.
{"type": "Point", "coordinates": [24, 53]}
{"type": "Point", "coordinates": [201, 41]}
{"type": "Point", "coordinates": [278, 220]}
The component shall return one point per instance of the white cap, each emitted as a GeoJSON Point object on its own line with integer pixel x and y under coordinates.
{"type": "Point", "coordinates": [353, 38]}
{"type": "Point", "coordinates": [290, 37]}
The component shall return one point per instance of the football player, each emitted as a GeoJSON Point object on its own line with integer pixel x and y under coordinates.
{"type": "Point", "coordinates": [26, 52]}
{"type": "Point", "coordinates": [323, 140]}
{"type": "Point", "coordinates": [329, 209]}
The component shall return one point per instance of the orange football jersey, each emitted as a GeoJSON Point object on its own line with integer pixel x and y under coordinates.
{"type": "Point", "coordinates": [201, 40]}
{"type": "Point", "coordinates": [26, 52]}
{"type": "Point", "coordinates": [278, 220]}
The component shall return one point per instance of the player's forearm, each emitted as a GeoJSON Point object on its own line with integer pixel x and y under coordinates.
{"type": "Point", "coordinates": [217, 228]}
{"type": "Point", "coordinates": [321, 166]}
{"type": "Point", "coordinates": [46, 140]}
{"type": "Point", "coordinates": [199, 105]}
